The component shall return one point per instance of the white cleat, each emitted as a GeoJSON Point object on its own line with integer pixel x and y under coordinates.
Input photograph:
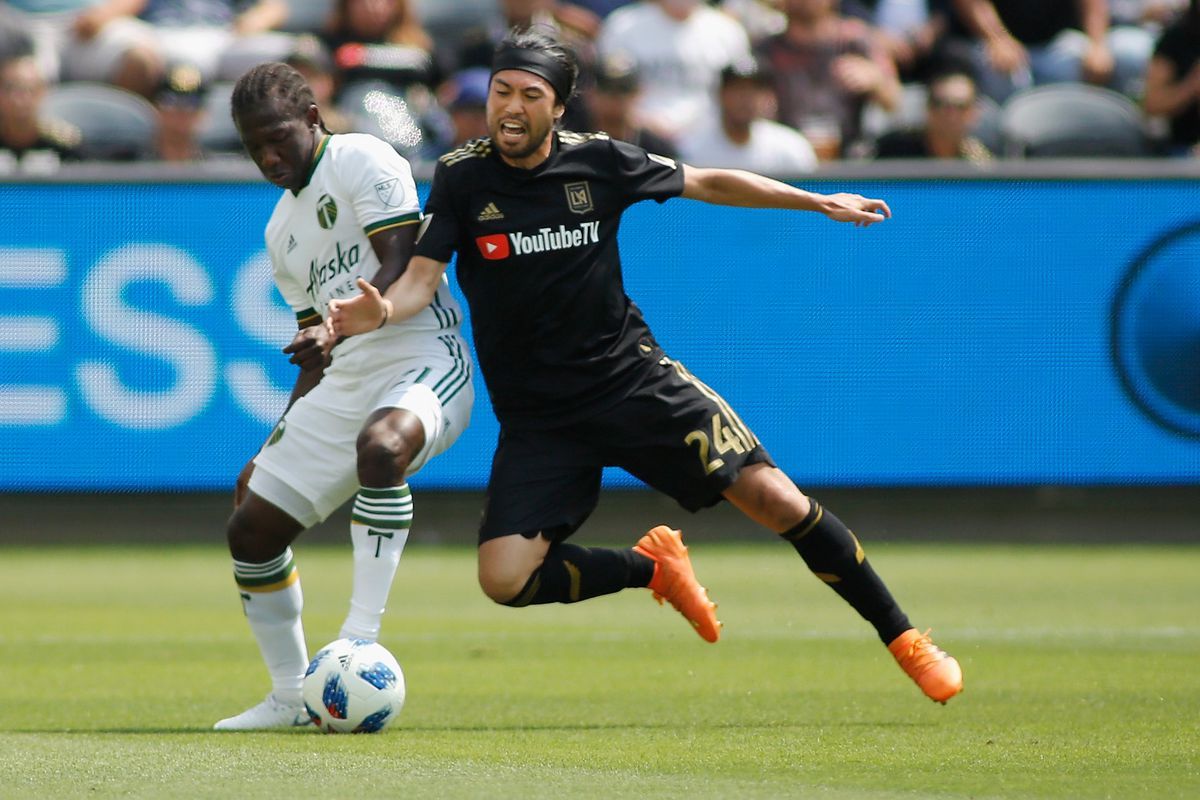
{"type": "Point", "coordinates": [270, 714]}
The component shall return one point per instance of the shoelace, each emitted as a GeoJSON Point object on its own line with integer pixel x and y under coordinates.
{"type": "Point", "coordinates": [922, 651]}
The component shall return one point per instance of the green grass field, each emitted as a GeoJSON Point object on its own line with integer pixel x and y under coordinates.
{"type": "Point", "coordinates": [1082, 669]}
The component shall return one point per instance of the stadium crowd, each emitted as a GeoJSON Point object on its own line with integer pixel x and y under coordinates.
{"type": "Point", "coordinates": [774, 86]}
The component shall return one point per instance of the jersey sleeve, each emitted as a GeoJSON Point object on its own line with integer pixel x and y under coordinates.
{"type": "Point", "coordinates": [380, 183]}
{"type": "Point", "coordinates": [439, 239]}
{"type": "Point", "coordinates": [646, 176]}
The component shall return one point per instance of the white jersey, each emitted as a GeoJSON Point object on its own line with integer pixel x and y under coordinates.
{"type": "Point", "coordinates": [680, 62]}
{"type": "Point", "coordinates": [773, 149]}
{"type": "Point", "coordinates": [319, 242]}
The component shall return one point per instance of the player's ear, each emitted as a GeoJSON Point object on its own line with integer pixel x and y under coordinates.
{"type": "Point", "coordinates": [313, 115]}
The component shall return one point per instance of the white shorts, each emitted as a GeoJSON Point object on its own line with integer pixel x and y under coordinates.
{"type": "Point", "coordinates": [308, 467]}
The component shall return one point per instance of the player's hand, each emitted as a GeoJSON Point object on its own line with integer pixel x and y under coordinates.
{"type": "Point", "coordinates": [310, 347]}
{"type": "Point", "coordinates": [862, 211]}
{"type": "Point", "coordinates": [359, 314]}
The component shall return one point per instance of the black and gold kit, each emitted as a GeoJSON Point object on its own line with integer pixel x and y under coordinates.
{"type": "Point", "coordinates": [573, 371]}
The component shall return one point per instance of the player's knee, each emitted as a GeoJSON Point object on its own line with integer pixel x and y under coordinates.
{"type": "Point", "coordinates": [502, 584]}
{"type": "Point", "coordinates": [384, 455]}
{"type": "Point", "coordinates": [780, 504]}
{"type": "Point", "coordinates": [240, 535]}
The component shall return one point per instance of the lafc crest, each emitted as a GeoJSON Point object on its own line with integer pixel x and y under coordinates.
{"type": "Point", "coordinates": [579, 197]}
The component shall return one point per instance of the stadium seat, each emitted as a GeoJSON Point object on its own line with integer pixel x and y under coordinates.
{"type": "Point", "coordinates": [307, 16]}
{"type": "Point", "coordinates": [219, 135]}
{"type": "Point", "coordinates": [116, 125]}
{"type": "Point", "coordinates": [1067, 120]}
{"type": "Point", "coordinates": [909, 113]}
{"type": "Point", "coordinates": [252, 51]}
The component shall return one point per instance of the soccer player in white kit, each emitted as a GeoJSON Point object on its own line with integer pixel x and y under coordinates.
{"type": "Point", "coordinates": [365, 413]}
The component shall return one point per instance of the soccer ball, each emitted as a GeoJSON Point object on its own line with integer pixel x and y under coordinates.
{"type": "Point", "coordinates": [353, 686]}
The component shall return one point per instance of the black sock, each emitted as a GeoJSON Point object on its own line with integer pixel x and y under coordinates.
{"type": "Point", "coordinates": [834, 555]}
{"type": "Point", "coordinates": [571, 573]}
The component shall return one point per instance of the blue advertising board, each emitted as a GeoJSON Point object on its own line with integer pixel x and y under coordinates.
{"type": "Point", "coordinates": [994, 332]}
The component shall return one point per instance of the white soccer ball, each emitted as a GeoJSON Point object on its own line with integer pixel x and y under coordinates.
{"type": "Point", "coordinates": [353, 686]}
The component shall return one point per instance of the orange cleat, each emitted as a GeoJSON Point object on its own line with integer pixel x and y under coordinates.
{"type": "Point", "coordinates": [675, 581]}
{"type": "Point", "coordinates": [935, 671]}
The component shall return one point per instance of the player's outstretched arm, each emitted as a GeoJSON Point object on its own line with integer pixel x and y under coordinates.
{"type": "Point", "coordinates": [735, 187]}
{"type": "Point", "coordinates": [408, 295]}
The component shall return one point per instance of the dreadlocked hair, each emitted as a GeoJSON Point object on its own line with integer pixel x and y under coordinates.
{"type": "Point", "coordinates": [275, 82]}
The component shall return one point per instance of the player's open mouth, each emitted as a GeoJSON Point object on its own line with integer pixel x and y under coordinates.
{"type": "Point", "coordinates": [512, 130]}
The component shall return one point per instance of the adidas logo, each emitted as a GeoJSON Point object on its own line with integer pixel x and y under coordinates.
{"type": "Point", "coordinates": [291, 245]}
{"type": "Point", "coordinates": [489, 213]}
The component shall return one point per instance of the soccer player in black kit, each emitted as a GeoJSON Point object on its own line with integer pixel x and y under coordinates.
{"type": "Point", "coordinates": [576, 378]}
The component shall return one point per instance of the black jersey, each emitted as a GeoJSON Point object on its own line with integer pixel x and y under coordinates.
{"type": "Point", "coordinates": [556, 336]}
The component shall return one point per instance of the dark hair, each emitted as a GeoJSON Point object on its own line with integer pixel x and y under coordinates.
{"type": "Point", "coordinates": [541, 42]}
{"type": "Point", "coordinates": [273, 81]}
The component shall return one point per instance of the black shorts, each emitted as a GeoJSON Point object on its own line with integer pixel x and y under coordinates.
{"type": "Point", "coordinates": [673, 432]}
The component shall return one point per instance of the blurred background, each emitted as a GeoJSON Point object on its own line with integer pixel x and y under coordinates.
{"type": "Point", "coordinates": [1014, 356]}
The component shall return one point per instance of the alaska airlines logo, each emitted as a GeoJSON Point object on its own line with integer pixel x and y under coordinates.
{"type": "Point", "coordinates": [1155, 326]}
{"type": "Point", "coordinates": [321, 273]}
{"type": "Point", "coordinates": [497, 246]}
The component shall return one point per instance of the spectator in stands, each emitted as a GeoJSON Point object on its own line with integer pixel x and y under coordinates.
{"type": "Point", "coordinates": [951, 111]}
{"type": "Point", "coordinates": [465, 99]}
{"type": "Point", "coordinates": [28, 139]}
{"type": "Point", "coordinates": [680, 47]}
{"type": "Point", "coordinates": [95, 40]}
{"type": "Point", "coordinates": [760, 18]}
{"type": "Point", "coordinates": [312, 59]}
{"type": "Point", "coordinates": [742, 137]}
{"type": "Point", "coordinates": [1173, 80]}
{"type": "Point", "coordinates": [381, 40]}
{"type": "Point", "coordinates": [827, 66]}
{"type": "Point", "coordinates": [612, 101]}
{"type": "Point", "coordinates": [1023, 43]}
{"type": "Point", "coordinates": [1153, 15]}
{"type": "Point", "coordinates": [601, 8]}
{"type": "Point", "coordinates": [913, 32]}
{"type": "Point", "coordinates": [198, 32]}
{"type": "Point", "coordinates": [181, 113]}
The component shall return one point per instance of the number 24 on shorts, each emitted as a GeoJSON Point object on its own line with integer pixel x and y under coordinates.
{"type": "Point", "coordinates": [723, 440]}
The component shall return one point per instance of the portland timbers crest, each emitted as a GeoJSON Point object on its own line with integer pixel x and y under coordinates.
{"type": "Point", "coordinates": [326, 211]}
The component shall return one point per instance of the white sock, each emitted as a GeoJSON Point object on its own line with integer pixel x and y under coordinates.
{"type": "Point", "coordinates": [378, 529]}
{"type": "Point", "coordinates": [272, 598]}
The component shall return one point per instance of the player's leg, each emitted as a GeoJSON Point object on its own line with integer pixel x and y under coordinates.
{"type": "Point", "coordinates": [542, 488]}
{"type": "Point", "coordinates": [419, 415]}
{"type": "Point", "coordinates": [303, 472]}
{"type": "Point", "coordinates": [382, 515]}
{"type": "Point", "coordinates": [260, 534]}
{"type": "Point", "coordinates": [831, 551]}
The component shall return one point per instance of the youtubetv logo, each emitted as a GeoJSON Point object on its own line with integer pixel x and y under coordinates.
{"type": "Point", "coordinates": [498, 245]}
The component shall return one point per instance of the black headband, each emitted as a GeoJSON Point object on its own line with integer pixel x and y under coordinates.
{"type": "Point", "coordinates": [535, 61]}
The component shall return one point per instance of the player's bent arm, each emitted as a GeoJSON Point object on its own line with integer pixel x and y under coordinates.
{"type": "Point", "coordinates": [408, 295]}
{"type": "Point", "coordinates": [735, 187]}
{"type": "Point", "coordinates": [393, 247]}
